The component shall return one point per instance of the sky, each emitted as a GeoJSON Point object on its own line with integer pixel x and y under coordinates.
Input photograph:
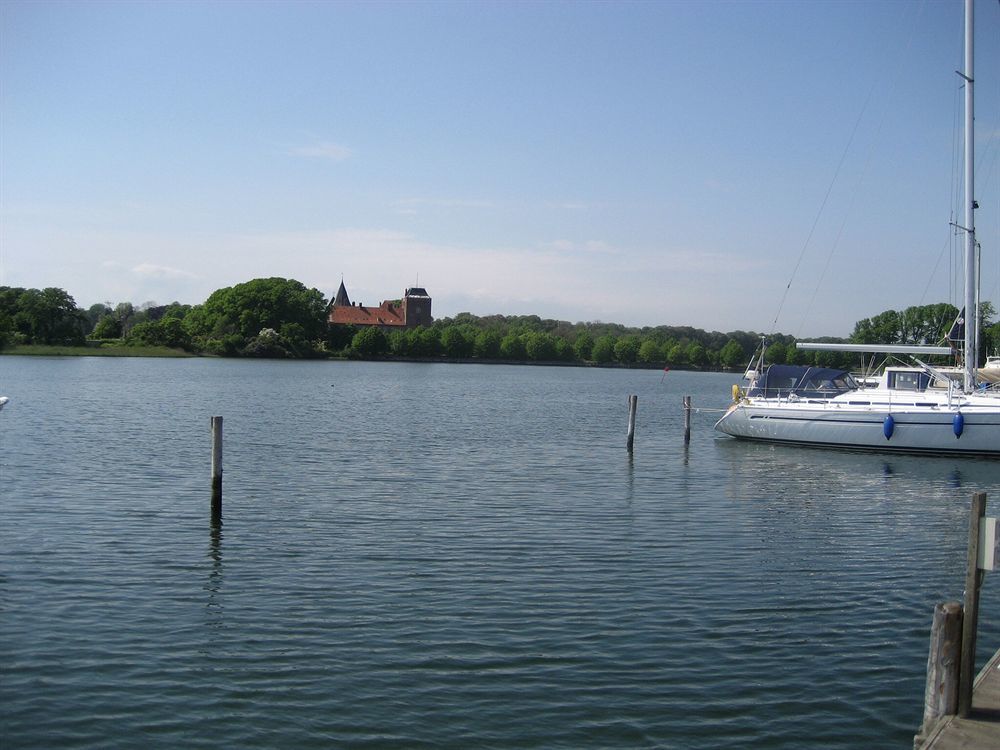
{"type": "Point", "coordinates": [758, 165]}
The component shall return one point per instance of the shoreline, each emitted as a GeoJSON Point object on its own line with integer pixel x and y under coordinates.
{"type": "Point", "coordinates": [38, 350]}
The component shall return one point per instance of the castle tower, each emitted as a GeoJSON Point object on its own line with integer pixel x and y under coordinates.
{"type": "Point", "coordinates": [417, 307]}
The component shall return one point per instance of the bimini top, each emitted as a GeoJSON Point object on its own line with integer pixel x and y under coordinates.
{"type": "Point", "coordinates": [801, 381]}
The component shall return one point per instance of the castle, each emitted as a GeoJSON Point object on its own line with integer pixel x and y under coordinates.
{"type": "Point", "coordinates": [413, 310]}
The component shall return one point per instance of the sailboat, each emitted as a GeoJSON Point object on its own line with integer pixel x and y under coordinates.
{"type": "Point", "coordinates": [916, 408]}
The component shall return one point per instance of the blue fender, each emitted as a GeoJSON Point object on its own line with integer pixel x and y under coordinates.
{"type": "Point", "coordinates": [888, 425]}
{"type": "Point", "coordinates": [958, 424]}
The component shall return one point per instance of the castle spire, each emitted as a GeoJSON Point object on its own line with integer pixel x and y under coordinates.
{"type": "Point", "coordinates": [341, 300]}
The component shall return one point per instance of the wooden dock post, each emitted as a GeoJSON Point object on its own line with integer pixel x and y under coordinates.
{"type": "Point", "coordinates": [633, 404]}
{"type": "Point", "coordinates": [687, 420]}
{"type": "Point", "coordinates": [970, 619]}
{"type": "Point", "coordinates": [941, 693]}
{"type": "Point", "coordinates": [216, 469]}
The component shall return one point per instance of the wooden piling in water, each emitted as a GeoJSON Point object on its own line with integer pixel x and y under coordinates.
{"type": "Point", "coordinates": [687, 419]}
{"type": "Point", "coordinates": [633, 404]}
{"type": "Point", "coordinates": [941, 693]}
{"type": "Point", "coordinates": [216, 469]}
{"type": "Point", "coordinates": [970, 620]}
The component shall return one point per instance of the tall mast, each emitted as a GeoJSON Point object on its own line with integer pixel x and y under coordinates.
{"type": "Point", "coordinates": [969, 219]}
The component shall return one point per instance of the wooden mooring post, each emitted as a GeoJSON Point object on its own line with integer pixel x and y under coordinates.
{"type": "Point", "coordinates": [216, 469]}
{"type": "Point", "coordinates": [970, 620]}
{"type": "Point", "coordinates": [941, 693]}
{"type": "Point", "coordinates": [633, 404]}
{"type": "Point", "coordinates": [687, 420]}
{"type": "Point", "coordinates": [951, 661]}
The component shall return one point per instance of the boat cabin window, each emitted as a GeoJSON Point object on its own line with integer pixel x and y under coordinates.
{"type": "Point", "coordinates": [805, 382]}
{"type": "Point", "coordinates": [908, 381]}
{"type": "Point", "coordinates": [826, 384]}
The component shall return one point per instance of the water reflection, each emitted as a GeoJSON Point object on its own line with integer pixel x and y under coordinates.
{"type": "Point", "coordinates": [630, 482]}
{"type": "Point", "coordinates": [213, 607]}
{"type": "Point", "coordinates": [756, 462]}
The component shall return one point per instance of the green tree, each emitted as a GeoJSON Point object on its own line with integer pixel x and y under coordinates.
{"type": "Point", "coordinates": [776, 354]}
{"type": "Point", "coordinates": [650, 352]}
{"type": "Point", "coordinates": [583, 346]}
{"type": "Point", "coordinates": [370, 341]}
{"type": "Point", "coordinates": [696, 354]}
{"type": "Point", "coordinates": [94, 313]}
{"type": "Point", "coordinates": [512, 347]}
{"type": "Point", "coordinates": [540, 347]}
{"type": "Point", "coordinates": [454, 343]}
{"type": "Point", "coordinates": [678, 355]}
{"type": "Point", "coordinates": [243, 310]}
{"type": "Point", "coordinates": [732, 355]}
{"type": "Point", "coordinates": [168, 332]}
{"type": "Point", "coordinates": [42, 316]}
{"type": "Point", "coordinates": [487, 345]}
{"type": "Point", "coordinates": [627, 349]}
{"type": "Point", "coordinates": [884, 328]}
{"type": "Point", "coordinates": [564, 350]}
{"type": "Point", "coordinates": [108, 327]}
{"type": "Point", "coordinates": [124, 312]}
{"type": "Point", "coordinates": [604, 349]}
{"type": "Point", "coordinates": [425, 342]}
{"type": "Point", "coordinates": [991, 339]}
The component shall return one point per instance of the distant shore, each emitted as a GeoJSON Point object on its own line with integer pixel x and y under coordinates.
{"type": "Point", "coordinates": [43, 350]}
{"type": "Point", "coordinates": [105, 350]}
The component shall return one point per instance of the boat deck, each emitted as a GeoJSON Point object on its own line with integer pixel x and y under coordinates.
{"type": "Point", "coordinates": [982, 727]}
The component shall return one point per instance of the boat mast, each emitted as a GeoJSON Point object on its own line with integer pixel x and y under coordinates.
{"type": "Point", "coordinates": [969, 219]}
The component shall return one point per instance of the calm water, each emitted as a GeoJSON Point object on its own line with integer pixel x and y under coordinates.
{"type": "Point", "coordinates": [454, 556]}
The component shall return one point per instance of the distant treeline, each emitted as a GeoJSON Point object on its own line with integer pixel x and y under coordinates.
{"type": "Point", "coordinates": [278, 317]}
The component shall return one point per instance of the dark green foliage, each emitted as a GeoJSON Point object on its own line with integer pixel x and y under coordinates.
{"type": "Point", "coordinates": [457, 343]}
{"type": "Point", "coordinates": [512, 347]}
{"type": "Point", "coordinates": [777, 353]}
{"type": "Point", "coordinates": [583, 347]}
{"type": "Point", "coordinates": [164, 332]}
{"type": "Point", "coordinates": [370, 342]}
{"type": "Point", "coordinates": [604, 349]}
{"type": "Point", "coordinates": [487, 345]}
{"type": "Point", "coordinates": [696, 354]}
{"type": "Point", "coordinates": [732, 355]}
{"type": "Point", "coordinates": [94, 314]}
{"type": "Point", "coordinates": [278, 317]}
{"type": "Point", "coordinates": [108, 327]}
{"type": "Point", "coordinates": [40, 316]}
{"type": "Point", "coordinates": [244, 311]}
{"type": "Point", "coordinates": [540, 347]}
{"type": "Point", "coordinates": [650, 352]}
{"type": "Point", "coordinates": [924, 324]}
{"type": "Point", "coordinates": [627, 349]}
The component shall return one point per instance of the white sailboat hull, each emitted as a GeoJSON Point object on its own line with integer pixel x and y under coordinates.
{"type": "Point", "coordinates": [914, 429]}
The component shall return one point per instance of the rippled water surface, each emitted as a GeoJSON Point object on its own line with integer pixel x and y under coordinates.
{"type": "Point", "coordinates": [456, 556]}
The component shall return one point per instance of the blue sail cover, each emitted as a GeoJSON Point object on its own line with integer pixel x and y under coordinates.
{"type": "Point", "coordinates": [804, 382]}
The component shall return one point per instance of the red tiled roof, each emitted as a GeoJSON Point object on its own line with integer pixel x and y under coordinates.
{"type": "Point", "coordinates": [387, 314]}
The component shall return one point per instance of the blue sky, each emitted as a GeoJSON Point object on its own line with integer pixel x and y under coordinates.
{"type": "Point", "coordinates": [659, 163]}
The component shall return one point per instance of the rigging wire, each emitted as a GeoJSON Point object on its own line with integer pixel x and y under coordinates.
{"type": "Point", "coordinates": [847, 213]}
{"type": "Point", "coordinates": [829, 190]}
{"type": "Point", "coordinates": [864, 108]}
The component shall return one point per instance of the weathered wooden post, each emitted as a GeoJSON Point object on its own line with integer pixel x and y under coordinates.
{"type": "Point", "coordinates": [970, 619]}
{"type": "Point", "coordinates": [633, 403]}
{"type": "Point", "coordinates": [216, 469]}
{"type": "Point", "coordinates": [941, 693]}
{"type": "Point", "coordinates": [687, 419]}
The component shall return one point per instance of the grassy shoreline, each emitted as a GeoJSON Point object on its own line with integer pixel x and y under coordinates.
{"type": "Point", "coordinates": [116, 350]}
{"type": "Point", "coordinates": [41, 350]}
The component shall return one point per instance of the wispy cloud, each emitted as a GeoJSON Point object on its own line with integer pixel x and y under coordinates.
{"type": "Point", "coordinates": [152, 271]}
{"type": "Point", "coordinates": [596, 247]}
{"type": "Point", "coordinates": [412, 206]}
{"type": "Point", "coordinates": [323, 150]}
